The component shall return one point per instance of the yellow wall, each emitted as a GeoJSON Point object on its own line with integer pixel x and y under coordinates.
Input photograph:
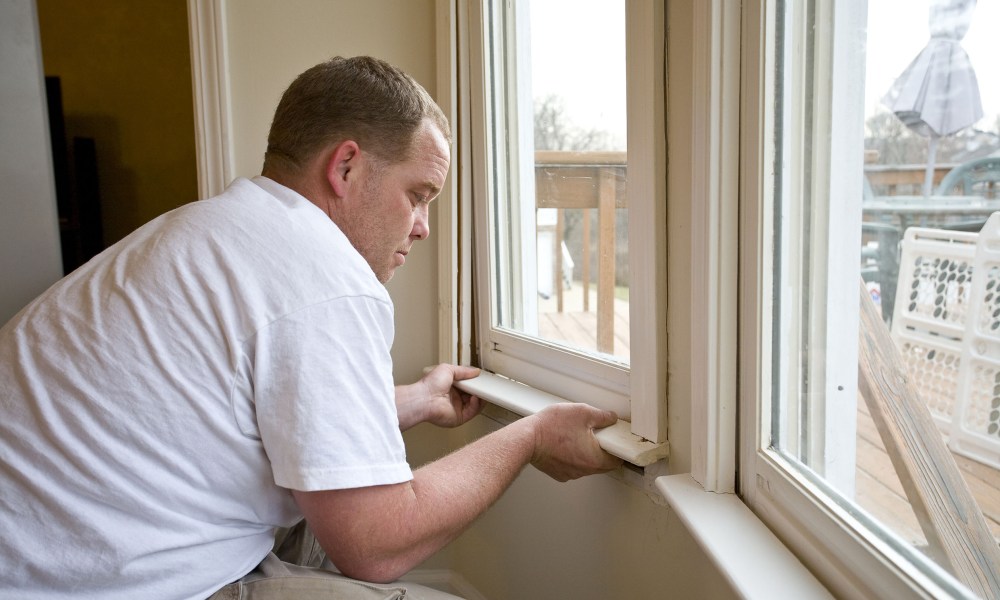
{"type": "Point", "coordinates": [126, 82]}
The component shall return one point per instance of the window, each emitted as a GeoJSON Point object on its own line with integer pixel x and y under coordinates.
{"type": "Point", "coordinates": [821, 213]}
{"type": "Point", "coordinates": [569, 200]}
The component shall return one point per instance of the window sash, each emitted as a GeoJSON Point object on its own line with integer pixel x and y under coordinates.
{"type": "Point", "coordinates": [638, 392]}
{"type": "Point", "coordinates": [832, 537]}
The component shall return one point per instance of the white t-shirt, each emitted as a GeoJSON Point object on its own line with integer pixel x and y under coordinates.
{"type": "Point", "coordinates": [156, 403]}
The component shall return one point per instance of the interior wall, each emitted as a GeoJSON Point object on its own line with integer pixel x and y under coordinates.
{"type": "Point", "coordinates": [126, 82]}
{"type": "Point", "coordinates": [30, 258]}
{"type": "Point", "coordinates": [595, 538]}
{"type": "Point", "coordinates": [269, 44]}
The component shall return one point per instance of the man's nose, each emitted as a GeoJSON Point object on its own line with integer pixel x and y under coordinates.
{"type": "Point", "coordinates": [421, 224]}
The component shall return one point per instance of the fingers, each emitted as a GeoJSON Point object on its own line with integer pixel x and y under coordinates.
{"type": "Point", "coordinates": [460, 372]}
{"type": "Point", "coordinates": [446, 405]}
{"type": "Point", "coordinates": [603, 418]}
{"type": "Point", "coordinates": [565, 445]}
{"type": "Point", "coordinates": [471, 405]}
{"type": "Point", "coordinates": [450, 372]}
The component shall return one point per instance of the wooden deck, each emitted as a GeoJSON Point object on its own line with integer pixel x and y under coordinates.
{"type": "Point", "coordinates": [578, 328]}
{"type": "Point", "coordinates": [878, 490]}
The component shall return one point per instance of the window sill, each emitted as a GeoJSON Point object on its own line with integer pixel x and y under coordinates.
{"type": "Point", "coordinates": [746, 552]}
{"type": "Point", "coordinates": [522, 400]}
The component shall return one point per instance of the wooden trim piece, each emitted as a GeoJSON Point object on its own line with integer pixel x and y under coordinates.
{"type": "Point", "coordinates": [645, 54]}
{"type": "Point", "coordinates": [523, 400]}
{"type": "Point", "coordinates": [953, 523]}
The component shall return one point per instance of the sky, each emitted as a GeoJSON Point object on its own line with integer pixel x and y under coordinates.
{"type": "Point", "coordinates": [578, 51]}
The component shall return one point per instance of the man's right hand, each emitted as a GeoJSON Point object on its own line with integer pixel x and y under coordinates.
{"type": "Point", "coordinates": [565, 445]}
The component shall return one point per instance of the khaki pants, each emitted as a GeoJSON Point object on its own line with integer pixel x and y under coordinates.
{"type": "Point", "coordinates": [298, 569]}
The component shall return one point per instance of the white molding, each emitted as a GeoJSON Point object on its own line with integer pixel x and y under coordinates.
{"type": "Point", "coordinates": [753, 561]}
{"type": "Point", "coordinates": [546, 366]}
{"type": "Point", "coordinates": [448, 229]}
{"type": "Point", "coordinates": [210, 80]}
{"type": "Point", "coordinates": [755, 227]}
{"type": "Point", "coordinates": [840, 97]}
{"type": "Point", "coordinates": [647, 167]}
{"type": "Point", "coordinates": [832, 540]}
{"type": "Point", "coordinates": [714, 248]}
{"type": "Point", "coordinates": [464, 172]}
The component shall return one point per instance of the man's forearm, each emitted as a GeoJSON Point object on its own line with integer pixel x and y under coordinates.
{"type": "Point", "coordinates": [379, 533]}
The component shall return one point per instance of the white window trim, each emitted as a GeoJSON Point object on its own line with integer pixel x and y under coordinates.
{"type": "Point", "coordinates": [453, 283]}
{"type": "Point", "coordinates": [646, 53]}
{"type": "Point", "coordinates": [212, 106]}
{"type": "Point", "coordinates": [637, 394]}
{"type": "Point", "coordinates": [830, 539]}
{"type": "Point", "coordinates": [711, 191]}
{"type": "Point", "coordinates": [754, 562]}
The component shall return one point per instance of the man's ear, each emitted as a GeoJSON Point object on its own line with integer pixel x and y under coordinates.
{"type": "Point", "coordinates": [343, 159]}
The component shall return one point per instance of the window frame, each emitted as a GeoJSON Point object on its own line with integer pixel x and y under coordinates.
{"type": "Point", "coordinates": [638, 393]}
{"type": "Point", "coordinates": [830, 538]}
{"type": "Point", "coordinates": [716, 226]}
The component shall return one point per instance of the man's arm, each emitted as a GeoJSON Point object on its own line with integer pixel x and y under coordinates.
{"type": "Point", "coordinates": [379, 533]}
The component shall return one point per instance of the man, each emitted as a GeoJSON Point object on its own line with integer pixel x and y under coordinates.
{"type": "Point", "coordinates": [225, 371]}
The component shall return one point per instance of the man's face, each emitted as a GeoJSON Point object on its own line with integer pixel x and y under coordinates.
{"type": "Point", "coordinates": [392, 213]}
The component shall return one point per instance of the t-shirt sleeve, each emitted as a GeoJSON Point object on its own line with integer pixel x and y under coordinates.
{"type": "Point", "coordinates": [325, 398]}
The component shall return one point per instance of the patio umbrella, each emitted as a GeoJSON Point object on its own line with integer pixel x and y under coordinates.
{"type": "Point", "coordinates": [938, 94]}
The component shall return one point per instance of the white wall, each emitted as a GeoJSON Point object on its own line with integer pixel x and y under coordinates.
{"type": "Point", "coordinates": [30, 258]}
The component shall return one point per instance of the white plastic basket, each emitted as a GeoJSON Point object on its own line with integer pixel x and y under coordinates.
{"type": "Point", "coordinates": [932, 297]}
{"type": "Point", "coordinates": [947, 327]}
{"type": "Point", "coordinates": [976, 428]}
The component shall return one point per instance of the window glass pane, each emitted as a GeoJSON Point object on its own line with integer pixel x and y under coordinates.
{"type": "Point", "coordinates": [888, 182]}
{"type": "Point", "coordinates": [560, 214]}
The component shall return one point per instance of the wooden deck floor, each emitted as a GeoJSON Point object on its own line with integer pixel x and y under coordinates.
{"type": "Point", "coordinates": [878, 490]}
{"type": "Point", "coordinates": [577, 327]}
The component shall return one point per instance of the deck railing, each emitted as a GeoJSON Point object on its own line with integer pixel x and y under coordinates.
{"type": "Point", "coordinates": [585, 180]}
{"type": "Point", "coordinates": [597, 180]}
